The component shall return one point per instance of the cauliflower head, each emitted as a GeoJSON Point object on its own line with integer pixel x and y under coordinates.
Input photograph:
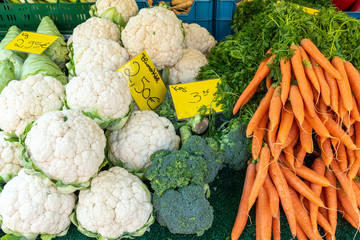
{"type": "Point", "coordinates": [144, 134]}
{"type": "Point", "coordinates": [65, 146]}
{"type": "Point", "coordinates": [118, 205]}
{"type": "Point", "coordinates": [24, 101]}
{"type": "Point", "coordinates": [101, 95]}
{"type": "Point", "coordinates": [158, 31]}
{"type": "Point", "coordinates": [94, 28]}
{"type": "Point", "coordinates": [98, 54]}
{"type": "Point", "coordinates": [188, 66]}
{"type": "Point", "coordinates": [29, 206]}
{"type": "Point", "coordinates": [198, 38]}
{"type": "Point", "coordinates": [10, 158]}
{"type": "Point", "coordinates": [118, 11]}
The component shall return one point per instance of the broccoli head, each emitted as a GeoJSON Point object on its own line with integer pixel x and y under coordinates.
{"type": "Point", "coordinates": [175, 170]}
{"type": "Point", "coordinates": [235, 145]}
{"type": "Point", "coordinates": [199, 146]}
{"type": "Point", "coordinates": [184, 211]}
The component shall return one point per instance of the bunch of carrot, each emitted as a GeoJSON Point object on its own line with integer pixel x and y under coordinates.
{"type": "Point", "coordinates": [314, 95]}
{"type": "Point", "coordinates": [177, 6]}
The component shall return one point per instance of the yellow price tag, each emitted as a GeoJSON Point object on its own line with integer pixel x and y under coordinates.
{"type": "Point", "coordinates": [189, 97]}
{"type": "Point", "coordinates": [305, 9]}
{"type": "Point", "coordinates": [146, 85]}
{"type": "Point", "coordinates": [31, 42]}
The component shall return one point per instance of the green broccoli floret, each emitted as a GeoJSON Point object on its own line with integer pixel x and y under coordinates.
{"type": "Point", "coordinates": [184, 211]}
{"type": "Point", "coordinates": [175, 170]}
{"type": "Point", "coordinates": [235, 145]}
{"type": "Point", "coordinates": [199, 146]}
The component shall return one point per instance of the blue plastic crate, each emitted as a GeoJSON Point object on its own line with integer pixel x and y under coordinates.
{"type": "Point", "coordinates": [67, 16]}
{"type": "Point", "coordinates": [354, 14]}
{"type": "Point", "coordinates": [223, 11]}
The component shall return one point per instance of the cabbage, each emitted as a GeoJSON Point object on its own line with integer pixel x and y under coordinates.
{"type": "Point", "coordinates": [7, 73]}
{"type": "Point", "coordinates": [57, 51]}
{"type": "Point", "coordinates": [41, 64]}
{"type": "Point", "coordinates": [12, 33]}
{"type": "Point", "coordinates": [15, 59]}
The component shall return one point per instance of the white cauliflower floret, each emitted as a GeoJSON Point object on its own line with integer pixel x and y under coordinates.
{"type": "Point", "coordinates": [100, 54]}
{"type": "Point", "coordinates": [10, 158]}
{"type": "Point", "coordinates": [94, 28]}
{"type": "Point", "coordinates": [106, 8]}
{"type": "Point", "coordinates": [116, 205]}
{"type": "Point", "coordinates": [198, 38]}
{"type": "Point", "coordinates": [188, 66]}
{"type": "Point", "coordinates": [104, 95]}
{"type": "Point", "coordinates": [29, 206]}
{"type": "Point", "coordinates": [158, 31]}
{"type": "Point", "coordinates": [25, 101]}
{"type": "Point", "coordinates": [66, 146]}
{"type": "Point", "coordinates": [143, 134]}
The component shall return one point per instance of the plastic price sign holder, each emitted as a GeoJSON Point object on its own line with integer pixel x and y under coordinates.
{"type": "Point", "coordinates": [31, 42]}
{"type": "Point", "coordinates": [188, 98]}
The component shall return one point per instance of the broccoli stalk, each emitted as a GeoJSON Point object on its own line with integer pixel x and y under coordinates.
{"type": "Point", "coordinates": [198, 123]}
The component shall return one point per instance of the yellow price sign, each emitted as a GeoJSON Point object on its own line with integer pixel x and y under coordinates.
{"type": "Point", "coordinates": [146, 85]}
{"type": "Point", "coordinates": [305, 9]}
{"type": "Point", "coordinates": [31, 42]}
{"type": "Point", "coordinates": [188, 98]}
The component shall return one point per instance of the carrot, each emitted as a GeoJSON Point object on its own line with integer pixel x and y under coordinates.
{"type": "Point", "coordinates": [304, 86]}
{"type": "Point", "coordinates": [271, 139]}
{"type": "Point", "coordinates": [319, 167]}
{"type": "Point", "coordinates": [337, 132]}
{"type": "Point", "coordinates": [285, 67]}
{"type": "Point", "coordinates": [347, 217]}
{"type": "Point", "coordinates": [289, 155]}
{"type": "Point", "coordinates": [258, 136]}
{"type": "Point", "coordinates": [331, 199]}
{"type": "Point", "coordinates": [326, 150]}
{"type": "Point", "coordinates": [323, 109]}
{"type": "Point", "coordinates": [275, 108]}
{"type": "Point", "coordinates": [309, 70]}
{"type": "Point", "coordinates": [354, 79]}
{"type": "Point", "coordinates": [259, 113]}
{"type": "Point", "coordinates": [313, 51]}
{"type": "Point", "coordinates": [355, 111]}
{"type": "Point", "coordinates": [354, 169]}
{"type": "Point", "coordinates": [306, 137]}
{"type": "Point", "coordinates": [260, 175]}
{"type": "Point", "coordinates": [258, 221]}
{"type": "Point", "coordinates": [345, 182]}
{"type": "Point", "coordinates": [301, 187]}
{"type": "Point", "coordinates": [317, 125]}
{"type": "Point", "coordinates": [265, 215]}
{"type": "Point", "coordinates": [347, 205]}
{"type": "Point", "coordinates": [341, 156]}
{"type": "Point", "coordinates": [242, 215]}
{"type": "Point", "coordinates": [250, 96]}
{"type": "Point", "coordinates": [323, 211]}
{"type": "Point", "coordinates": [302, 217]}
{"type": "Point", "coordinates": [309, 175]}
{"type": "Point", "coordinates": [287, 118]}
{"type": "Point", "coordinates": [276, 228]}
{"type": "Point", "coordinates": [324, 86]}
{"type": "Point", "coordinates": [299, 160]}
{"type": "Point", "coordinates": [292, 136]}
{"type": "Point", "coordinates": [343, 83]}
{"type": "Point", "coordinates": [334, 92]}
{"type": "Point", "coordinates": [273, 197]}
{"type": "Point", "coordinates": [344, 115]}
{"type": "Point", "coordinates": [350, 156]}
{"type": "Point", "coordinates": [300, 233]}
{"type": "Point", "coordinates": [268, 82]}
{"type": "Point", "coordinates": [297, 103]}
{"type": "Point", "coordinates": [323, 222]}
{"type": "Point", "coordinates": [357, 192]}
{"type": "Point", "coordinates": [284, 194]}
{"type": "Point", "coordinates": [255, 82]}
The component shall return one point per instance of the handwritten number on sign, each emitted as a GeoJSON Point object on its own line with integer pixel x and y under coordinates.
{"type": "Point", "coordinates": [129, 75]}
{"type": "Point", "coordinates": [20, 43]}
{"type": "Point", "coordinates": [196, 96]}
{"type": "Point", "coordinates": [145, 91]}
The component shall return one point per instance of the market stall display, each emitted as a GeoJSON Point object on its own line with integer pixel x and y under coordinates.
{"type": "Point", "coordinates": [282, 151]}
